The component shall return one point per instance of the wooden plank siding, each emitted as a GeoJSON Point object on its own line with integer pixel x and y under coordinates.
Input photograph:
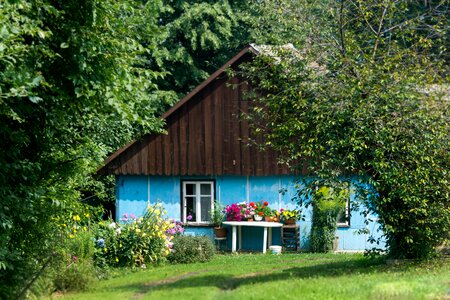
{"type": "Point", "coordinates": [205, 136]}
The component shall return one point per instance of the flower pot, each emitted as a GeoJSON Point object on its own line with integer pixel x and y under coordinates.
{"type": "Point", "coordinates": [257, 217]}
{"type": "Point", "coordinates": [220, 232]}
{"type": "Point", "coordinates": [289, 222]}
{"type": "Point", "coordinates": [249, 219]}
{"type": "Point", "coordinates": [275, 249]}
{"type": "Point", "coordinates": [336, 243]}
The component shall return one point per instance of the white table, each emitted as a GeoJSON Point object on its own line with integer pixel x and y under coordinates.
{"type": "Point", "coordinates": [239, 224]}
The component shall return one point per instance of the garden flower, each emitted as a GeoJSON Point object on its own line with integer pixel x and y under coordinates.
{"type": "Point", "coordinates": [74, 258]}
{"type": "Point", "coordinates": [132, 217]}
{"type": "Point", "coordinates": [189, 218]}
{"type": "Point", "coordinates": [100, 242]}
{"type": "Point", "coordinates": [266, 203]}
{"type": "Point", "coordinates": [112, 225]}
{"type": "Point", "coordinates": [118, 231]}
{"type": "Point", "coordinates": [76, 218]}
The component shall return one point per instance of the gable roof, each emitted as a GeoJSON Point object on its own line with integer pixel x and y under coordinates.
{"type": "Point", "coordinates": [248, 49]}
{"type": "Point", "coordinates": [205, 136]}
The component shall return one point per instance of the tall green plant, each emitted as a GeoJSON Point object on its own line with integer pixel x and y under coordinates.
{"type": "Point", "coordinates": [327, 205]}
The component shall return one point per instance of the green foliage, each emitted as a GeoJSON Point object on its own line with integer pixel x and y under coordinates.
{"type": "Point", "coordinates": [136, 243]}
{"type": "Point", "coordinates": [71, 89]}
{"type": "Point", "coordinates": [75, 275]}
{"type": "Point", "coordinates": [368, 96]}
{"type": "Point", "coordinates": [327, 204]}
{"type": "Point", "coordinates": [217, 214]}
{"type": "Point", "coordinates": [191, 249]}
{"type": "Point", "coordinates": [197, 39]}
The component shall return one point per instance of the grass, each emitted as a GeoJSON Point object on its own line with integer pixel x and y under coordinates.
{"type": "Point", "coordinates": [288, 276]}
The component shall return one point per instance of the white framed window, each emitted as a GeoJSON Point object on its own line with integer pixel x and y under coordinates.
{"type": "Point", "coordinates": [197, 201]}
{"type": "Point", "coordinates": [344, 216]}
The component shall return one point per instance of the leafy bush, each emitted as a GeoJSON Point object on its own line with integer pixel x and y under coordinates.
{"type": "Point", "coordinates": [78, 274]}
{"type": "Point", "coordinates": [327, 204]}
{"type": "Point", "coordinates": [135, 242]}
{"type": "Point", "coordinates": [191, 249]}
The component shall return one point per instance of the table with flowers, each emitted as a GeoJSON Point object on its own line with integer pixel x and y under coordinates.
{"type": "Point", "coordinates": [251, 214]}
{"type": "Point", "coordinates": [266, 238]}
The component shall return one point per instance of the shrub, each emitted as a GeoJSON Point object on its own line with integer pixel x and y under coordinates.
{"type": "Point", "coordinates": [78, 274]}
{"type": "Point", "coordinates": [327, 205]}
{"type": "Point", "coordinates": [191, 249]}
{"type": "Point", "coordinates": [135, 242]}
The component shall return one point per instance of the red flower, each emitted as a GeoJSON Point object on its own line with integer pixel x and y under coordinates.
{"type": "Point", "coordinates": [261, 213]}
{"type": "Point", "coordinates": [266, 203]}
{"type": "Point", "coordinates": [252, 204]}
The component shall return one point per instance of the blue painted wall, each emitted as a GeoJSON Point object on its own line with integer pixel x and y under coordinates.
{"type": "Point", "coordinates": [134, 193]}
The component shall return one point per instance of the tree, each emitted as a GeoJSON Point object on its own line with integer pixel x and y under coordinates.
{"type": "Point", "coordinates": [369, 96]}
{"type": "Point", "coordinates": [71, 89]}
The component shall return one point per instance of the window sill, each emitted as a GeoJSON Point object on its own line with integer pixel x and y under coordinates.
{"type": "Point", "coordinates": [342, 225]}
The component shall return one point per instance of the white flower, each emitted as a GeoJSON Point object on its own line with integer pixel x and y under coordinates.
{"type": "Point", "coordinates": [112, 225]}
{"type": "Point", "coordinates": [118, 231]}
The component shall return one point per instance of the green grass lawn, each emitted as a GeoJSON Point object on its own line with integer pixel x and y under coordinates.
{"type": "Point", "coordinates": [288, 276]}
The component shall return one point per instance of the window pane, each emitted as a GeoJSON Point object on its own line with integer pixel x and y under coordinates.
{"type": "Point", "coordinates": [344, 215]}
{"type": "Point", "coordinates": [190, 189]}
{"type": "Point", "coordinates": [205, 189]}
{"type": "Point", "coordinates": [205, 203]}
{"type": "Point", "coordinates": [190, 209]}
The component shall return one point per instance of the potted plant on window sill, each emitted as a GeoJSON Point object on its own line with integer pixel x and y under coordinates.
{"type": "Point", "coordinates": [217, 216]}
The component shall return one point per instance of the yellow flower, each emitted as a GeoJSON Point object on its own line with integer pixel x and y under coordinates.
{"type": "Point", "coordinates": [117, 260]}
{"type": "Point", "coordinates": [84, 228]}
{"type": "Point", "coordinates": [71, 236]}
{"type": "Point", "coordinates": [138, 230]}
{"type": "Point", "coordinates": [64, 225]}
{"type": "Point", "coordinates": [87, 215]}
{"type": "Point", "coordinates": [76, 218]}
{"type": "Point", "coordinates": [157, 212]}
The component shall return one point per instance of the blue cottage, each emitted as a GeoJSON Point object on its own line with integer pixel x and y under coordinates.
{"type": "Point", "coordinates": [206, 156]}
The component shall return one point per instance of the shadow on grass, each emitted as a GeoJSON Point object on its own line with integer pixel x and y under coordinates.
{"type": "Point", "coordinates": [231, 281]}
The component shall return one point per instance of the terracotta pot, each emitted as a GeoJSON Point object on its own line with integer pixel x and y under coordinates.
{"type": "Point", "coordinates": [220, 232]}
{"type": "Point", "coordinates": [250, 219]}
{"type": "Point", "coordinates": [289, 221]}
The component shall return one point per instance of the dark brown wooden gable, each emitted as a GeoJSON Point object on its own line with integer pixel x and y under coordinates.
{"type": "Point", "coordinates": [205, 137]}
